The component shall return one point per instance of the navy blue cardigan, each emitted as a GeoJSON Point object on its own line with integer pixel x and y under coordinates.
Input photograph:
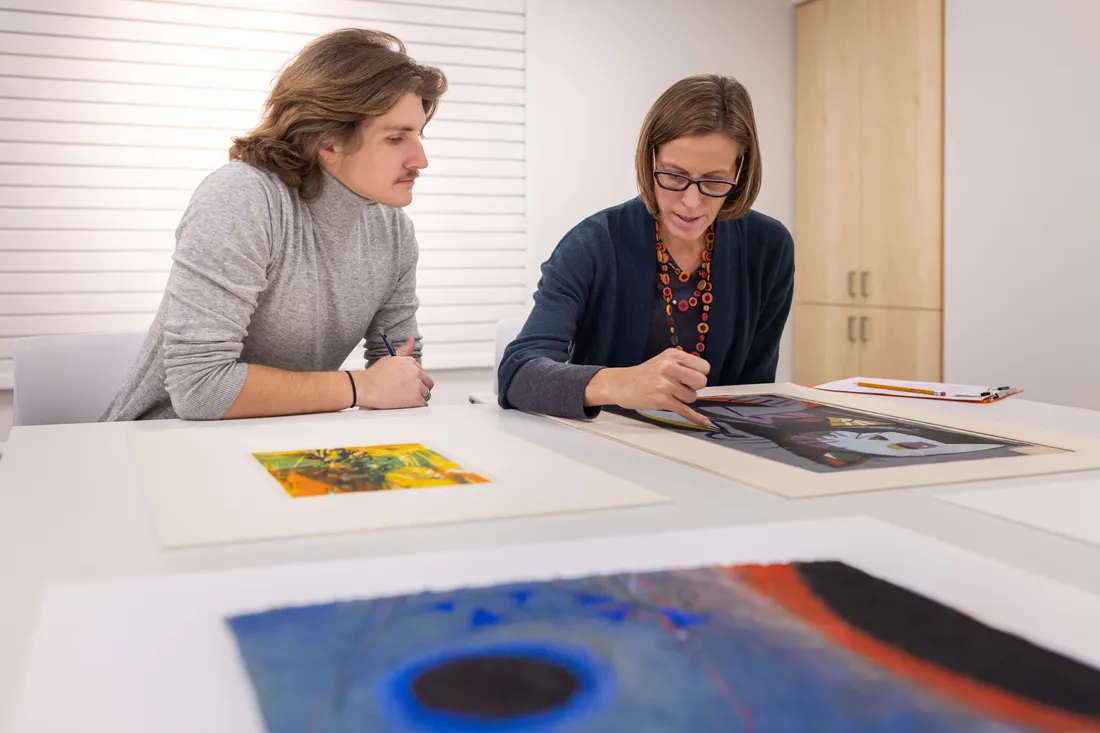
{"type": "Point", "coordinates": [596, 295]}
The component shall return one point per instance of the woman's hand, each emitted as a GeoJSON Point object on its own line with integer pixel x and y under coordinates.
{"type": "Point", "coordinates": [394, 382]}
{"type": "Point", "coordinates": [668, 381]}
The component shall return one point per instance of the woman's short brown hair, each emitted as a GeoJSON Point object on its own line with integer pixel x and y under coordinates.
{"type": "Point", "coordinates": [699, 105]}
{"type": "Point", "coordinates": [334, 83]}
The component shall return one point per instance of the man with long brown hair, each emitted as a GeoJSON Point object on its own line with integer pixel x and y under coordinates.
{"type": "Point", "coordinates": [295, 250]}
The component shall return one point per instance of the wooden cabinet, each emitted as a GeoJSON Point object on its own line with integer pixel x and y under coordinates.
{"type": "Point", "coordinates": [827, 152]}
{"type": "Point", "coordinates": [831, 334]}
{"type": "Point", "coordinates": [869, 187]}
{"type": "Point", "coordinates": [849, 341]}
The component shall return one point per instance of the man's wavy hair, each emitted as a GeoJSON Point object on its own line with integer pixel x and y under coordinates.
{"type": "Point", "coordinates": [337, 81]}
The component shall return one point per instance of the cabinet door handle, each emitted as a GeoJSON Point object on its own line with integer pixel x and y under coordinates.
{"type": "Point", "coordinates": [863, 336]}
{"type": "Point", "coordinates": [851, 283]}
{"type": "Point", "coordinates": [852, 328]}
{"type": "Point", "coordinates": [863, 277]}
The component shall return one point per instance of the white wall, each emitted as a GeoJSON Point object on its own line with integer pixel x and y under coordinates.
{"type": "Point", "coordinates": [594, 69]}
{"type": "Point", "coordinates": [1022, 196]}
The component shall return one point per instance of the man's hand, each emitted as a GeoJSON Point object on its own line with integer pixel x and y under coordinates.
{"type": "Point", "coordinates": [394, 382]}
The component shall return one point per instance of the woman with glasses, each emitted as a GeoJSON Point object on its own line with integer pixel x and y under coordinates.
{"type": "Point", "coordinates": [684, 286]}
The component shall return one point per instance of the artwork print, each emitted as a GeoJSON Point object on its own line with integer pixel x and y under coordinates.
{"type": "Point", "coordinates": [787, 648]}
{"type": "Point", "coordinates": [823, 438]}
{"type": "Point", "coordinates": [363, 468]}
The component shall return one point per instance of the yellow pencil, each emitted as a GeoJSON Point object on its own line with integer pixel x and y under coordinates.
{"type": "Point", "coordinates": [895, 388]}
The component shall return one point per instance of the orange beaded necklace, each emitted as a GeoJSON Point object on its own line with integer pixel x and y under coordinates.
{"type": "Point", "coordinates": [702, 294]}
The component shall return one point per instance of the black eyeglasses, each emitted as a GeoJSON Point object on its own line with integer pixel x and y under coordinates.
{"type": "Point", "coordinates": [715, 187]}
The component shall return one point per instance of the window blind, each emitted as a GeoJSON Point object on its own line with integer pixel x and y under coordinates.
{"type": "Point", "coordinates": [112, 111]}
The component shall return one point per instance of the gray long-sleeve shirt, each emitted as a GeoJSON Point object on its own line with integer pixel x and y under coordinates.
{"type": "Point", "coordinates": [260, 276]}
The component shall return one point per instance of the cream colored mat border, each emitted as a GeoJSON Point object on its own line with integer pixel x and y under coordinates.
{"type": "Point", "coordinates": [1082, 453]}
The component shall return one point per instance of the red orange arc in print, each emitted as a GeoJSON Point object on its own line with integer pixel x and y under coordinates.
{"type": "Point", "coordinates": [783, 585]}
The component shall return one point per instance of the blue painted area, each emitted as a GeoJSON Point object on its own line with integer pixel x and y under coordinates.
{"type": "Point", "coordinates": [597, 689]}
{"type": "Point", "coordinates": [618, 615]}
{"type": "Point", "coordinates": [717, 661]}
{"type": "Point", "coordinates": [481, 617]}
{"type": "Point", "coordinates": [521, 596]}
{"type": "Point", "coordinates": [684, 620]}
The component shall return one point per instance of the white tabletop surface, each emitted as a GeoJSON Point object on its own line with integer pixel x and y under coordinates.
{"type": "Point", "coordinates": [71, 509]}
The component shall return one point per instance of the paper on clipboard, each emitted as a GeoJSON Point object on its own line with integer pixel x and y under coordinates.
{"type": "Point", "coordinates": [923, 390]}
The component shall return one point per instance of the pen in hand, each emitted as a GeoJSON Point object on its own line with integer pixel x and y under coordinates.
{"type": "Point", "coordinates": [389, 346]}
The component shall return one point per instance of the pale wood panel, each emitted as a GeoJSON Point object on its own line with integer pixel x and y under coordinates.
{"type": "Point", "coordinates": [900, 343]}
{"type": "Point", "coordinates": [902, 186]}
{"type": "Point", "coordinates": [826, 343]}
{"type": "Point", "coordinates": [827, 137]}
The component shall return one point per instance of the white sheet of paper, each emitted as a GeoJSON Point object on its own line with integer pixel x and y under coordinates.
{"type": "Point", "coordinates": [205, 486]}
{"type": "Point", "coordinates": [1067, 508]}
{"type": "Point", "coordinates": [964, 392]}
{"type": "Point", "coordinates": [140, 655]}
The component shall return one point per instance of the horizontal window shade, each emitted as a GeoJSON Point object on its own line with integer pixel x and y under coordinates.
{"type": "Point", "coordinates": [143, 261]}
{"type": "Point", "coordinates": [51, 99]}
{"type": "Point", "coordinates": [214, 27]}
{"type": "Point", "coordinates": [102, 178]}
{"type": "Point", "coordinates": [147, 302]}
{"type": "Point", "coordinates": [146, 219]}
{"type": "Point", "coordinates": [31, 46]}
{"type": "Point", "coordinates": [161, 81]}
{"type": "Point", "coordinates": [137, 136]}
{"type": "Point", "coordinates": [435, 324]}
{"type": "Point", "coordinates": [113, 111]}
{"type": "Point", "coordinates": [497, 7]}
{"type": "Point", "coordinates": [42, 240]}
{"type": "Point", "coordinates": [73, 156]}
{"type": "Point", "coordinates": [154, 281]}
{"type": "Point", "coordinates": [64, 197]}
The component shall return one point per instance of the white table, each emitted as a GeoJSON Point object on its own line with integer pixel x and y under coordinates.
{"type": "Point", "coordinates": [71, 509]}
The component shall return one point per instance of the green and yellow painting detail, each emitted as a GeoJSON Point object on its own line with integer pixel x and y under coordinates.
{"type": "Point", "coordinates": [363, 468]}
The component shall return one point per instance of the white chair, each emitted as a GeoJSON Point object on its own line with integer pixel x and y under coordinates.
{"type": "Point", "coordinates": [507, 330]}
{"type": "Point", "coordinates": [70, 379]}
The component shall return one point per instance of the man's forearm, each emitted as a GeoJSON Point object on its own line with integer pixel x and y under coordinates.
{"type": "Point", "coordinates": [268, 392]}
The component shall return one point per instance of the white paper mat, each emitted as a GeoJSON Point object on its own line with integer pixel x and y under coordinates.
{"type": "Point", "coordinates": [155, 654]}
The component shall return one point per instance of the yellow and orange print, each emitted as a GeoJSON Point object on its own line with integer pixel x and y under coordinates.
{"type": "Point", "coordinates": [363, 468]}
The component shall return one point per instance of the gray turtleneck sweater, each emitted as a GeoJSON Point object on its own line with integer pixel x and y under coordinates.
{"type": "Point", "coordinates": [260, 276]}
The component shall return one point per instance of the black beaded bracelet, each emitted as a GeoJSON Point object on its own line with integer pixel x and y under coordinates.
{"type": "Point", "coordinates": [354, 394]}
